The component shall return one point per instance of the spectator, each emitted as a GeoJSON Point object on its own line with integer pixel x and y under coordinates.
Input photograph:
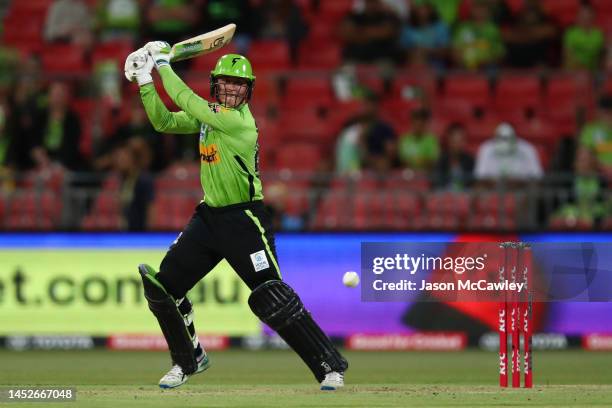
{"type": "Point", "coordinates": [58, 131]}
{"type": "Point", "coordinates": [401, 8]}
{"type": "Point", "coordinates": [426, 37]}
{"type": "Point", "coordinates": [367, 142]}
{"type": "Point", "coordinates": [136, 126]}
{"type": "Point", "coordinates": [499, 11]}
{"type": "Point", "coordinates": [26, 99]}
{"type": "Point", "coordinates": [349, 147]}
{"type": "Point", "coordinates": [370, 35]}
{"type": "Point", "coordinates": [285, 218]}
{"type": "Point", "coordinates": [455, 167]}
{"type": "Point", "coordinates": [69, 21]}
{"type": "Point", "coordinates": [597, 134]}
{"type": "Point", "coordinates": [507, 157]}
{"type": "Point", "coordinates": [586, 203]}
{"type": "Point", "coordinates": [173, 20]}
{"type": "Point", "coordinates": [477, 42]}
{"type": "Point", "coordinates": [530, 38]}
{"type": "Point", "coordinates": [584, 42]}
{"type": "Point", "coordinates": [119, 19]}
{"type": "Point", "coordinates": [448, 10]}
{"type": "Point", "coordinates": [240, 12]}
{"type": "Point", "coordinates": [9, 65]}
{"type": "Point", "coordinates": [419, 149]}
{"type": "Point", "coordinates": [137, 188]}
{"type": "Point", "coordinates": [7, 148]}
{"type": "Point", "coordinates": [282, 19]}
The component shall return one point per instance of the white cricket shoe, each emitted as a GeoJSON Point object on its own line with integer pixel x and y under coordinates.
{"type": "Point", "coordinates": [176, 376]}
{"type": "Point", "coordinates": [332, 381]}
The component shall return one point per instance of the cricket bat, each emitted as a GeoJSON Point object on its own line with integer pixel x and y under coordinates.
{"type": "Point", "coordinates": [203, 43]}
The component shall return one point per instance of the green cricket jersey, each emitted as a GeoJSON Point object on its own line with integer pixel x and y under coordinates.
{"type": "Point", "coordinates": [228, 140]}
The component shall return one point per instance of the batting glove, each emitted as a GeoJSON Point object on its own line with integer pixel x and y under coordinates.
{"type": "Point", "coordinates": [160, 51]}
{"type": "Point", "coordinates": [138, 66]}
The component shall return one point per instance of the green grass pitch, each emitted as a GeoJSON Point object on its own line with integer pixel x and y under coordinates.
{"type": "Point", "coordinates": [279, 379]}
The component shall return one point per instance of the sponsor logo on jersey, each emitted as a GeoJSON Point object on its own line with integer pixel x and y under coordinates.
{"type": "Point", "coordinates": [209, 154]}
{"type": "Point", "coordinates": [214, 108]}
{"type": "Point", "coordinates": [260, 260]}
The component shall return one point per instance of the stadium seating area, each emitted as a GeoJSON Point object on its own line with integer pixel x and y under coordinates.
{"type": "Point", "coordinates": [299, 118]}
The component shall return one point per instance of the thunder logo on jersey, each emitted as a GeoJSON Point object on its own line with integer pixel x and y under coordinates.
{"type": "Point", "coordinates": [209, 154]}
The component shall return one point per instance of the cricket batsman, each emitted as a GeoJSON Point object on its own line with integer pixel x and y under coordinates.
{"type": "Point", "coordinates": [230, 222]}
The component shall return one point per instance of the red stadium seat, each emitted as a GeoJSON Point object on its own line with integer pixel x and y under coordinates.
{"type": "Point", "coordinates": [539, 131]}
{"type": "Point", "coordinates": [332, 211]}
{"type": "Point", "coordinates": [336, 9]}
{"type": "Point", "coordinates": [116, 51]}
{"type": "Point", "coordinates": [299, 156]}
{"type": "Point", "coordinates": [565, 89]}
{"type": "Point", "coordinates": [107, 203]}
{"type": "Point", "coordinates": [200, 84]}
{"type": "Point", "coordinates": [84, 108]}
{"type": "Point", "coordinates": [518, 93]}
{"type": "Point", "coordinates": [24, 34]}
{"type": "Point", "coordinates": [471, 89]}
{"type": "Point", "coordinates": [515, 5]}
{"type": "Point", "coordinates": [496, 203]}
{"type": "Point", "coordinates": [322, 33]}
{"type": "Point", "coordinates": [34, 209]}
{"type": "Point", "coordinates": [93, 222]}
{"type": "Point", "coordinates": [491, 222]}
{"type": "Point", "coordinates": [265, 90]}
{"type": "Point", "coordinates": [404, 203]}
{"type": "Point", "coordinates": [603, 15]}
{"type": "Point", "coordinates": [564, 118]}
{"type": "Point", "coordinates": [269, 55]}
{"type": "Point", "coordinates": [206, 63]}
{"type": "Point", "coordinates": [565, 224]}
{"type": "Point", "coordinates": [453, 110]}
{"type": "Point", "coordinates": [30, 6]}
{"type": "Point", "coordinates": [482, 130]}
{"type": "Point", "coordinates": [309, 88]}
{"type": "Point", "coordinates": [448, 203]}
{"type": "Point", "coordinates": [172, 210]}
{"type": "Point", "coordinates": [407, 180]}
{"type": "Point", "coordinates": [64, 60]}
{"type": "Point", "coordinates": [413, 86]}
{"type": "Point", "coordinates": [563, 11]}
{"type": "Point", "coordinates": [368, 210]}
{"type": "Point", "coordinates": [319, 55]}
{"type": "Point", "coordinates": [305, 127]}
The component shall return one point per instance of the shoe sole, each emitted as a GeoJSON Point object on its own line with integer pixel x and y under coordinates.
{"type": "Point", "coordinates": [203, 368]}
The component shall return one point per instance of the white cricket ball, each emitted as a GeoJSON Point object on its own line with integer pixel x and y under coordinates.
{"type": "Point", "coordinates": [350, 279]}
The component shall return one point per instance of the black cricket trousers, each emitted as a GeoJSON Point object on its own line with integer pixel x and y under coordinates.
{"type": "Point", "coordinates": [241, 233]}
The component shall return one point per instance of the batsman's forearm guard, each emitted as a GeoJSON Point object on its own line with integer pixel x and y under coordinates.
{"type": "Point", "coordinates": [170, 320]}
{"type": "Point", "coordinates": [277, 305]}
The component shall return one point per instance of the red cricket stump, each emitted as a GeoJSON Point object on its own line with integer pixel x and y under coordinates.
{"type": "Point", "coordinates": [514, 323]}
{"type": "Point", "coordinates": [527, 319]}
{"type": "Point", "coordinates": [503, 322]}
{"type": "Point", "coordinates": [516, 314]}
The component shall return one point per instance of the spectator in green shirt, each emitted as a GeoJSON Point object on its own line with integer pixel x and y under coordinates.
{"type": "Point", "coordinates": [419, 148]}
{"type": "Point", "coordinates": [477, 42]}
{"type": "Point", "coordinates": [447, 9]}
{"type": "Point", "coordinates": [584, 42]}
{"type": "Point", "coordinates": [119, 19]}
{"type": "Point", "coordinates": [586, 200]}
{"type": "Point", "coordinates": [174, 20]}
{"type": "Point", "coordinates": [597, 134]}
